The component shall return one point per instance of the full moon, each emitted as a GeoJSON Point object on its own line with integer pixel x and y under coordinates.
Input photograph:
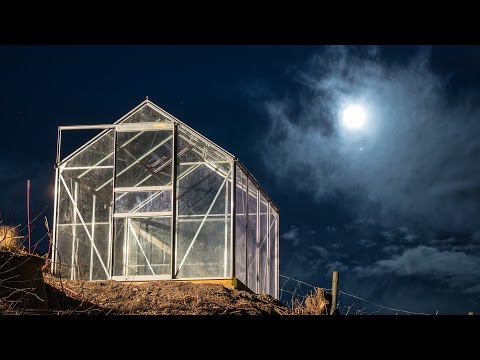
{"type": "Point", "coordinates": [353, 117]}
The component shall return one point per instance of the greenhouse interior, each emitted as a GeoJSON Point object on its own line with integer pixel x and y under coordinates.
{"type": "Point", "coordinates": [149, 198]}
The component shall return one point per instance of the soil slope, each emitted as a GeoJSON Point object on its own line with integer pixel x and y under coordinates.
{"type": "Point", "coordinates": [154, 297]}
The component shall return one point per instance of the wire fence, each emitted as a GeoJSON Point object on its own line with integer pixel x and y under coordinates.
{"type": "Point", "coordinates": [294, 291]}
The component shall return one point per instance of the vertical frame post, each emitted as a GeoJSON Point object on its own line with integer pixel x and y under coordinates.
{"type": "Point", "coordinates": [112, 211]}
{"type": "Point", "coordinates": [93, 236]}
{"type": "Point", "coordinates": [233, 214]}
{"type": "Point", "coordinates": [246, 226]}
{"type": "Point", "coordinates": [59, 144]}
{"type": "Point", "coordinates": [174, 200]}
{"type": "Point", "coordinates": [110, 242]}
{"type": "Point", "coordinates": [74, 233]}
{"type": "Point", "coordinates": [267, 285]}
{"type": "Point", "coordinates": [257, 252]}
{"type": "Point", "coordinates": [54, 225]}
{"type": "Point", "coordinates": [225, 230]}
{"type": "Point", "coordinates": [277, 255]}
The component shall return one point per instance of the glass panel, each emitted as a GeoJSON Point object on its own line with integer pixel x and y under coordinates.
{"type": "Point", "coordinates": [99, 153]}
{"type": "Point", "coordinates": [241, 226]}
{"type": "Point", "coordinates": [85, 200]}
{"type": "Point", "coordinates": [273, 240]}
{"type": "Point", "coordinates": [252, 237]}
{"type": "Point", "coordinates": [192, 148]}
{"type": "Point", "coordinates": [96, 181]}
{"type": "Point", "coordinates": [186, 230]}
{"type": "Point", "coordinates": [204, 206]}
{"type": "Point", "coordinates": [82, 197]}
{"type": "Point", "coordinates": [65, 206]}
{"type": "Point", "coordinates": [142, 246]}
{"type": "Point", "coordinates": [197, 189]}
{"type": "Point", "coordinates": [102, 208]}
{"type": "Point", "coordinates": [63, 251]}
{"type": "Point", "coordinates": [207, 255]}
{"type": "Point", "coordinates": [93, 209]}
{"type": "Point", "coordinates": [143, 201]}
{"type": "Point", "coordinates": [227, 271]}
{"type": "Point", "coordinates": [145, 114]}
{"type": "Point", "coordinates": [119, 248]}
{"type": "Point", "coordinates": [144, 158]}
{"type": "Point", "coordinates": [263, 270]}
{"type": "Point", "coordinates": [101, 237]}
{"type": "Point", "coordinates": [81, 253]}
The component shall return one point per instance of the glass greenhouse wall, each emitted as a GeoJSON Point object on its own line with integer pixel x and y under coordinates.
{"type": "Point", "coordinates": [150, 198]}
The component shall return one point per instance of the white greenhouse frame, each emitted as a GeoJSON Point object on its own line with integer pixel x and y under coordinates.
{"type": "Point", "coordinates": [149, 198]}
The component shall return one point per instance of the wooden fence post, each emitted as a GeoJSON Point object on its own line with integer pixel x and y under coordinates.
{"type": "Point", "coordinates": [334, 292]}
{"type": "Point", "coordinates": [321, 303]}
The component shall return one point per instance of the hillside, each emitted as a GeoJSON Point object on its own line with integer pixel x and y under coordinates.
{"type": "Point", "coordinates": [27, 287]}
{"type": "Point", "coordinates": [155, 298]}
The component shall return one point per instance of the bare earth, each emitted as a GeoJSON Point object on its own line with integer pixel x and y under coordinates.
{"type": "Point", "coordinates": [155, 298]}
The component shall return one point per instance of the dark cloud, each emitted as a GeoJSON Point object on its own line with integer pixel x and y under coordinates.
{"type": "Point", "coordinates": [458, 268]}
{"type": "Point", "coordinates": [291, 235]}
{"type": "Point", "coordinates": [475, 289]}
{"type": "Point", "coordinates": [366, 243]}
{"type": "Point", "coordinates": [419, 157]}
{"type": "Point", "coordinates": [321, 251]}
{"type": "Point", "coordinates": [392, 248]}
{"type": "Point", "coordinates": [331, 229]}
{"type": "Point", "coordinates": [336, 266]}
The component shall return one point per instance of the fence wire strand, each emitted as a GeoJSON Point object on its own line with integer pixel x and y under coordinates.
{"type": "Point", "coordinates": [296, 291]}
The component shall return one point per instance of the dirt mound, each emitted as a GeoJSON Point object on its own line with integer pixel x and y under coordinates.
{"type": "Point", "coordinates": [155, 298]}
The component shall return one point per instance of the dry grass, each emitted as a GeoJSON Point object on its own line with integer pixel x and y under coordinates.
{"type": "Point", "coordinates": [159, 297]}
{"type": "Point", "coordinates": [316, 303]}
{"type": "Point", "coordinates": [9, 239]}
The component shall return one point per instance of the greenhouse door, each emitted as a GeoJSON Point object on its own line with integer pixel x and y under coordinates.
{"type": "Point", "coordinates": [144, 248]}
{"type": "Point", "coordinates": [143, 193]}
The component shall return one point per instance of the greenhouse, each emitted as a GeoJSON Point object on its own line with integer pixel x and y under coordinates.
{"type": "Point", "coordinates": [149, 198]}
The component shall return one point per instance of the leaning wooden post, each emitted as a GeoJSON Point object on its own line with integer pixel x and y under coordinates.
{"type": "Point", "coordinates": [334, 292]}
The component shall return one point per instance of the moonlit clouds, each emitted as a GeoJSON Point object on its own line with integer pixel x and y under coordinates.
{"type": "Point", "coordinates": [408, 176]}
{"type": "Point", "coordinates": [418, 159]}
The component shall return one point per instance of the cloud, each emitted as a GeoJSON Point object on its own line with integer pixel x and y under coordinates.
{"type": "Point", "coordinates": [336, 266]}
{"type": "Point", "coordinates": [388, 235]}
{"type": "Point", "coordinates": [470, 248]}
{"type": "Point", "coordinates": [428, 262]}
{"type": "Point", "coordinates": [366, 243]}
{"type": "Point", "coordinates": [292, 235]}
{"type": "Point", "coordinates": [410, 237]}
{"type": "Point", "coordinates": [476, 236]}
{"type": "Point", "coordinates": [408, 202]}
{"type": "Point", "coordinates": [419, 157]}
{"type": "Point", "coordinates": [444, 241]}
{"type": "Point", "coordinates": [473, 289]}
{"type": "Point", "coordinates": [321, 251]}
{"type": "Point", "coordinates": [392, 248]}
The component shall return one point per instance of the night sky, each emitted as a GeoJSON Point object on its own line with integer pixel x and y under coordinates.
{"type": "Point", "coordinates": [394, 205]}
